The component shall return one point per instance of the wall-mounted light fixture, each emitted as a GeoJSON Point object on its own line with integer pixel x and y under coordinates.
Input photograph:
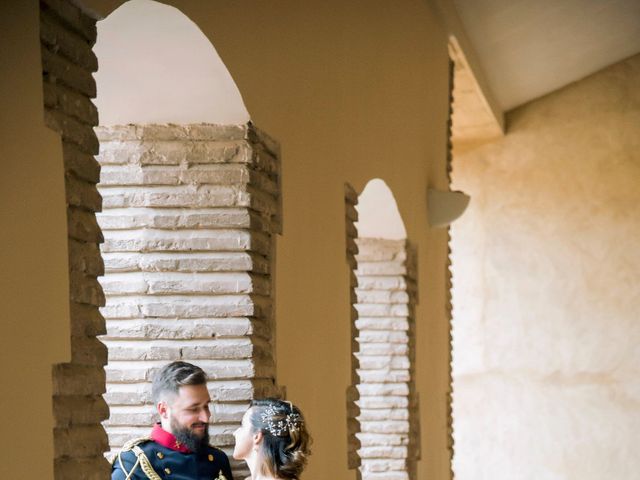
{"type": "Point", "coordinates": [445, 206]}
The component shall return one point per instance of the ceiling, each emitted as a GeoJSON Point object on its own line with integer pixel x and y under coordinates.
{"type": "Point", "coordinates": [528, 48]}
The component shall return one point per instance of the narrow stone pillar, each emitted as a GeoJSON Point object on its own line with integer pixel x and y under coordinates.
{"type": "Point", "coordinates": [353, 410]}
{"type": "Point", "coordinates": [190, 220]}
{"type": "Point", "coordinates": [388, 418]}
{"type": "Point", "coordinates": [67, 35]}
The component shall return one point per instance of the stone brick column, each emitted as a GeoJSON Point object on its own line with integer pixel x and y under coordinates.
{"type": "Point", "coordinates": [67, 36]}
{"type": "Point", "coordinates": [386, 296]}
{"type": "Point", "coordinates": [190, 220]}
{"type": "Point", "coordinates": [353, 410]}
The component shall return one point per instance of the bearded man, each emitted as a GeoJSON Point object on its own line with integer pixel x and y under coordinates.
{"type": "Point", "coordinates": [178, 446]}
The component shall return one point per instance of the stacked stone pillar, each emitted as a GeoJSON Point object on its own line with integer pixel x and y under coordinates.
{"type": "Point", "coordinates": [353, 410]}
{"type": "Point", "coordinates": [67, 35]}
{"type": "Point", "coordinates": [388, 418]}
{"type": "Point", "coordinates": [190, 219]}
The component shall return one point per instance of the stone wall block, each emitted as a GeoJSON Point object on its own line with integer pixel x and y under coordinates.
{"type": "Point", "coordinates": [260, 137]}
{"type": "Point", "coordinates": [381, 268]}
{"type": "Point", "coordinates": [79, 410]}
{"type": "Point", "coordinates": [82, 225]}
{"type": "Point", "coordinates": [383, 452]}
{"type": "Point", "coordinates": [185, 329]}
{"type": "Point", "coordinates": [184, 283]}
{"type": "Point", "coordinates": [384, 414]}
{"type": "Point", "coordinates": [382, 440]}
{"type": "Point", "coordinates": [72, 130]}
{"type": "Point", "coordinates": [383, 310]}
{"type": "Point", "coordinates": [381, 323]}
{"type": "Point", "coordinates": [205, 153]}
{"type": "Point", "coordinates": [93, 468]}
{"type": "Point", "coordinates": [85, 258]}
{"type": "Point", "coordinates": [131, 417]}
{"type": "Point", "coordinates": [82, 194]}
{"type": "Point", "coordinates": [383, 389]}
{"type": "Point", "coordinates": [384, 375]}
{"type": "Point", "coordinates": [63, 41]}
{"type": "Point", "coordinates": [183, 196]}
{"type": "Point", "coordinates": [384, 465]}
{"type": "Point", "coordinates": [381, 282]}
{"type": "Point", "coordinates": [80, 441]}
{"type": "Point", "coordinates": [181, 307]}
{"type": "Point", "coordinates": [381, 336]}
{"type": "Point", "coordinates": [197, 262]}
{"type": "Point", "coordinates": [385, 426]}
{"type": "Point", "coordinates": [85, 289]}
{"type": "Point", "coordinates": [381, 349]}
{"type": "Point", "coordinates": [351, 213]}
{"type": "Point", "coordinates": [186, 241]}
{"type": "Point", "coordinates": [382, 250]}
{"type": "Point", "coordinates": [83, 165]}
{"type": "Point", "coordinates": [86, 320]}
{"type": "Point", "coordinates": [88, 351]}
{"type": "Point", "coordinates": [382, 296]}
{"type": "Point", "coordinates": [72, 17]}
{"type": "Point", "coordinates": [70, 379]}
{"type": "Point", "coordinates": [58, 69]}
{"type": "Point", "coordinates": [387, 403]}
{"type": "Point", "coordinates": [69, 102]}
{"type": "Point", "coordinates": [175, 219]}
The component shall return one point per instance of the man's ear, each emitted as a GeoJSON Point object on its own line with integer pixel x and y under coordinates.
{"type": "Point", "coordinates": [163, 409]}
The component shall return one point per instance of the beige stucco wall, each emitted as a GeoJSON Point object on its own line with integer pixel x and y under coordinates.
{"type": "Point", "coordinates": [547, 289]}
{"type": "Point", "coordinates": [353, 91]}
{"type": "Point", "coordinates": [34, 315]}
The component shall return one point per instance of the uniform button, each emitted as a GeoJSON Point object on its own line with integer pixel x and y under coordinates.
{"type": "Point", "coordinates": [167, 471]}
{"type": "Point", "coordinates": [210, 458]}
{"type": "Point", "coordinates": [160, 455]}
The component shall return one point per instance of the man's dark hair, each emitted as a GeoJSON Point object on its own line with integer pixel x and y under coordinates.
{"type": "Point", "coordinates": [173, 376]}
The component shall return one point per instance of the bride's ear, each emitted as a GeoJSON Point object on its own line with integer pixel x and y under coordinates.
{"type": "Point", "coordinates": [257, 439]}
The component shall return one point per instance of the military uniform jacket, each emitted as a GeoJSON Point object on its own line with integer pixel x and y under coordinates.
{"type": "Point", "coordinates": [148, 458]}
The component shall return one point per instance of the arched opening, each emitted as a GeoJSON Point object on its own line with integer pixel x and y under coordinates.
{"type": "Point", "coordinates": [185, 239]}
{"type": "Point", "coordinates": [383, 414]}
{"type": "Point", "coordinates": [156, 66]}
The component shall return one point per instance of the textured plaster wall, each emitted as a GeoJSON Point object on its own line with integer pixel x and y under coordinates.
{"type": "Point", "coordinates": [546, 266]}
{"type": "Point", "coordinates": [34, 283]}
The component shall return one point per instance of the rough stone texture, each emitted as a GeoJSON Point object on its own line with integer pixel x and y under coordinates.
{"type": "Point", "coordinates": [353, 410]}
{"type": "Point", "coordinates": [189, 221]}
{"type": "Point", "coordinates": [384, 329]}
{"type": "Point", "coordinates": [67, 36]}
{"type": "Point", "coordinates": [547, 289]}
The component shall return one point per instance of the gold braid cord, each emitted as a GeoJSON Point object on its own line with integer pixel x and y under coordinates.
{"type": "Point", "coordinates": [141, 459]}
{"type": "Point", "coordinates": [145, 464]}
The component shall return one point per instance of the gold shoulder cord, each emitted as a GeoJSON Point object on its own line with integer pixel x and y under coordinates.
{"type": "Point", "coordinates": [141, 459]}
{"type": "Point", "coordinates": [133, 469]}
{"type": "Point", "coordinates": [145, 464]}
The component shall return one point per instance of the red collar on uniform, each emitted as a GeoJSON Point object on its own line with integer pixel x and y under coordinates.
{"type": "Point", "coordinates": [166, 439]}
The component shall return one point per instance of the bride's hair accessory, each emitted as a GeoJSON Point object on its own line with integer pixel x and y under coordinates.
{"type": "Point", "coordinates": [278, 422]}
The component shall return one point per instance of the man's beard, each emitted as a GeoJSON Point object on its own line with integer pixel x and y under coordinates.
{"type": "Point", "coordinates": [190, 439]}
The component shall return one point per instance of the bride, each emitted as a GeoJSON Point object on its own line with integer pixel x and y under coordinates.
{"type": "Point", "coordinates": [273, 440]}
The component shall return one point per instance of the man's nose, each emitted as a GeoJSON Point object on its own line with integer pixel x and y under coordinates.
{"type": "Point", "coordinates": [204, 416]}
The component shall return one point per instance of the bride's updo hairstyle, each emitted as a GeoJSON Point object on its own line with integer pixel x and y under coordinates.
{"type": "Point", "coordinates": [285, 443]}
